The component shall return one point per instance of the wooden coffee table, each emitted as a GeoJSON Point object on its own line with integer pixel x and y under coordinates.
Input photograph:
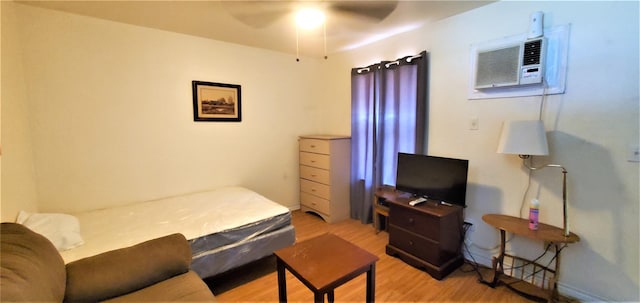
{"type": "Point", "coordinates": [323, 263]}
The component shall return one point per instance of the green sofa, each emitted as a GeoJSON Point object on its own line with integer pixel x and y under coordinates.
{"type": "Point", "coordinates": [156, 270]}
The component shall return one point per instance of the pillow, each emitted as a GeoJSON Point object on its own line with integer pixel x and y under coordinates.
{"type": "Point", "coordinates": [61, 229]}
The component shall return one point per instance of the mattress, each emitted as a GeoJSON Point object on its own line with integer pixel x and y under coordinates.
{"type": "Point", "coordinates": [226, 227]}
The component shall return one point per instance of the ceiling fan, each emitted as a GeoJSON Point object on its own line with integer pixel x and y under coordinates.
{"type": "Point", "coordinates": [260, 14]}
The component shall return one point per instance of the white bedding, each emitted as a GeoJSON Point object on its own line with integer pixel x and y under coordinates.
{"type": "Point", "coordinates": [193, 215]}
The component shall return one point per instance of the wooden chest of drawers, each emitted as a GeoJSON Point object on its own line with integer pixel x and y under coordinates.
{"type": "Point", "coordinates": [324, 176]}
{"type": "Point", "coordinates": [427, 235]}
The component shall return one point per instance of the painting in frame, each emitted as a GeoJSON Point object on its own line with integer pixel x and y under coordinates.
{"type": "Point", "coordinates": [216, 101]}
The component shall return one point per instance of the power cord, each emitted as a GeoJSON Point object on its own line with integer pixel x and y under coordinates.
{"type": "Point", "coordinates": [473, 263]}
{"type": "Point", "coordinates": [475, 267]}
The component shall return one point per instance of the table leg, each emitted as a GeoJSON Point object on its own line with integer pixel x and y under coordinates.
{"type": "Point", "coordinates": [554, 288]}
{"type": "Point", "coordinates": [371, 283]}
{"type": "Point", "coordinates": [331, 296]}
{"type": "Point", "coordinates": [282, 282]}
{"type": "Point", "coordinates": [318, 297]}
{"type": "Point", "coordinates": [498, 267]}
{"type": "Point", "coordinates": [376, 221]}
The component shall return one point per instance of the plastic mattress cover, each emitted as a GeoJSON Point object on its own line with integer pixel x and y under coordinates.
{"type": "Point", "coordinates": [210, 262]}
{"type": "Point", "coordinates": [207, 243]}
{"type": "Point", "coordinates": [228, 215]}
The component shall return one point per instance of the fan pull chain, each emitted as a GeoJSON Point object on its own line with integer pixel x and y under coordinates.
{"type": "Point", "coordinates": [324, 25]}
{"type": "Point", "coordinates": [297, 44]}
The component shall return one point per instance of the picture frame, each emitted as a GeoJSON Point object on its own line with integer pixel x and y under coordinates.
{"type": "Point", "coordinates": [216, 101]}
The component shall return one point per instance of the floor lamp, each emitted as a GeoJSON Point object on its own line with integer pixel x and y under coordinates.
{"type": "Point", "coordinates": [528, 138]}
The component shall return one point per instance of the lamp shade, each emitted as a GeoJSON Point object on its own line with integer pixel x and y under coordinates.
{"type": "Point", "coordinates": [523, 138]}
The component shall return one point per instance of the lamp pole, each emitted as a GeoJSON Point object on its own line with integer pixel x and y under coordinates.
{"type": "Point", "coordinates": [565, 214]}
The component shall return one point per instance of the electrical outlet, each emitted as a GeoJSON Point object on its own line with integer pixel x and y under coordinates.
{"type": "Point", "coordinates": [634, 153]}
{"type": "Point", "coordinates": [474, 123]}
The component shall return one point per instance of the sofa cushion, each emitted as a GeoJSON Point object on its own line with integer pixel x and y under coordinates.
{"type": "Point", "coordinates": [187, 287]}
{"type": "Point", "coordinates": [124, 270]}
{"type": "Point", "coordinates": [32, 268]}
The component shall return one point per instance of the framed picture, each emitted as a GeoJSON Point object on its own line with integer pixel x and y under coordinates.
{"type": "Point", "coordinates": [216, 102]}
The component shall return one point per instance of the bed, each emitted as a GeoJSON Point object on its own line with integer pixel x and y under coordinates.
{"type": "Point", "coordinates": [226, 227]}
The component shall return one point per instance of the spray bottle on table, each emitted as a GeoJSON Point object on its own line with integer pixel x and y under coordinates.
{"type": "Point", "coordinates": [533, 214]}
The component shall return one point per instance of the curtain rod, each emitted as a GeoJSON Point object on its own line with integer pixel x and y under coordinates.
{"type": "Point", "coordinates": [389, 64]}
{"type": "Point", "coordinates": [414, 57]}
{"type": "Point", "coordinates": [398, 61]}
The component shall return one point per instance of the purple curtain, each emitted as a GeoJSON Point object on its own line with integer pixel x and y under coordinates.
{"type": "Point", "coordinates": [388, 115]}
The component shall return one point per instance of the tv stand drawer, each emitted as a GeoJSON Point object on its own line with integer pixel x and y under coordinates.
{"type": "Point", "coordinates": [415, 222]}
{"type": "Point", "coordinates": [423, 248]}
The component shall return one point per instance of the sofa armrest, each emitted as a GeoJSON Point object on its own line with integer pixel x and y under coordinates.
{"type": "Point", "coordinates": [121, 271]}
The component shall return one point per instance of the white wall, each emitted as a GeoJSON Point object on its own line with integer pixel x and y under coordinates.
{"type": "Point", "coordinates": [18, 173]}
{"type": "Point", "coordinates": [109, 108]}
{"type": "Point", "coordinates": [97, 113]}
{"type": "Point", "coordinates": [0, 114]}
{"type": "Point", "coordinates": [589, 128]}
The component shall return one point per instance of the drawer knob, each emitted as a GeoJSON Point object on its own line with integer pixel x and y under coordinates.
{"type": "Point", "coordinates": [410, 220]}
{"type": "Point", "coordinates": [411, 243]}
{"type": "Point", "coordinates": [313, 146]}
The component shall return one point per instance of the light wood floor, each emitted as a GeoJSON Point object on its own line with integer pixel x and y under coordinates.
{"type": "Point", "coordinates": [395, 280]}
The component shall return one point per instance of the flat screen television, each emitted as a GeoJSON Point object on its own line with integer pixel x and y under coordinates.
{"type": "Point", "coordinates": [435, 178]}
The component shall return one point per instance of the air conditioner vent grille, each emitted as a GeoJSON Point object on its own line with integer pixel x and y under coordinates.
{"type": "Point", "coordinates": [532, 52]}
{"type": "Point", "coordinates": [498, 67]}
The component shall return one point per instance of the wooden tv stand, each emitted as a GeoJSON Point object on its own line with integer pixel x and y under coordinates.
{"type": "Point", "coordinates": [428, 235]}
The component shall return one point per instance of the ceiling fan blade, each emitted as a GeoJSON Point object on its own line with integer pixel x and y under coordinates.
{"type": "Point", "coordinates": [376, 10]}
{"type": "Point", "coordinates": [257, 14]}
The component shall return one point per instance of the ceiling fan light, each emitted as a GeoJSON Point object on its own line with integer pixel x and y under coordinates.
{"type": "Point", "coordinates": [309, 18]}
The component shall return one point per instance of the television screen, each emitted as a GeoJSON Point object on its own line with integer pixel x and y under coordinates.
{"type": "Point", "coordinates": [436, 178]}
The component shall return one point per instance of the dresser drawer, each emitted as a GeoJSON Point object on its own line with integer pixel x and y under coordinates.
{"type": "Point", "coordinates": [314, 202]}
{"type": "Point", "coordinates": [315, 174]}
{"type": "Point", "coordinates": [415, 245]}
{"type": "Point", "coordinates": [414, 221]}
{"type": "Point", "coordinates": [315, 146]}
{"type": "Point", "coordinates": [315, 188]}
{"type": "Point", "coordinates": [315, 160]}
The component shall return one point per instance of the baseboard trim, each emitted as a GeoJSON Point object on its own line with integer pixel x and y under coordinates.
{"type": "Point", "coordinates": [578, 294]}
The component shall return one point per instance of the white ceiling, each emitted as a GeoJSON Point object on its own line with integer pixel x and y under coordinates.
{"type": "Point", "coordinates": [213, 19]}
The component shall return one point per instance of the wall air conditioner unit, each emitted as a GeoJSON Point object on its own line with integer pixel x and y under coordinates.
{"type": "Point", "coordinates": [511, 65]}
